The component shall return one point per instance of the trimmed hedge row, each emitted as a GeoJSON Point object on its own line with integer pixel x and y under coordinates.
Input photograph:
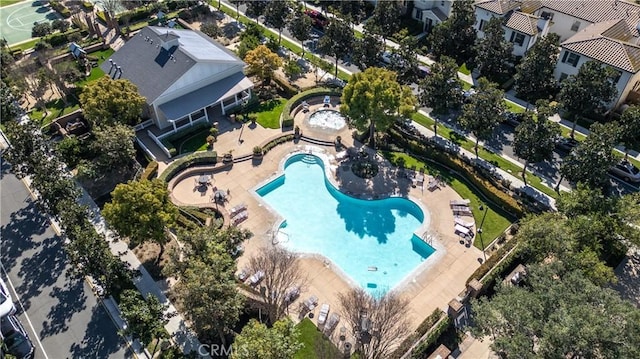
{"type": "Point", "coordinates": [488, 265]}
{"type": "Point", "coordinates": [150, 172]}
{"type": "Point", "coordinates": [60, 8]}
{"type": "Point", "coordinates": [420, 350]}
{"type": "Point", "coordinates": [287, 120]}
{"type": "Point", "coordinates": [196, 158]}
{"type": "Point", "coordinates": [424, 327]}
{"type": "Point", "coordinates": [59, 38]}
{"type": "Point", "coordinates": [273, 143]}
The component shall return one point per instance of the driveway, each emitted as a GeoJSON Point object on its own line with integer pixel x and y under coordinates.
{"type": "Point", "coordinates": [17, 20]}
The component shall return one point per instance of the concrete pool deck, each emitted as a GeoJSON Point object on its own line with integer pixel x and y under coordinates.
{"type": "Point", "coordinates": [442, 276]}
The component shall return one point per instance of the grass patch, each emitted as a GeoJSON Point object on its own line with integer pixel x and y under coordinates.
{"type": "Point", "coordinates": [8, 2]}
{"type": "Point", "coordinates": [514, 107]}
{"type": "Point", "coordinates": [312, 338]}
{"type": "Point", "coordinates": [464, 69]}
{"type": "Point", "coordinates": [268, 113]}
{"type": "Point", "coordinates": [495, 219]}
{"type": "Point", "coordinates": [96, 72]}
{"type": "Point", "coordinates": [55, 109]}
{"type": "Point", "coordinates": [26, 45]}
{"type": "Point", "coordinates": [197, 142]}
{"type": "Point", "coordinates": [466, 86]}
{"type": "Point", "coordinates": [495, 159]}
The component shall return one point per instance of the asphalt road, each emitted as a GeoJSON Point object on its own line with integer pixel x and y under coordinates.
{"type": "Point", "coordinates": [60, 312]}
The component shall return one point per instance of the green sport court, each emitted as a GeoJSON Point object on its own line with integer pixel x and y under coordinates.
{"type": "Point", "coordinates": [17, 20]}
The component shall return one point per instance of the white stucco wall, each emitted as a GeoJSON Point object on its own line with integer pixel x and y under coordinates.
{"type": "Point", "coordinates": [561, 23]}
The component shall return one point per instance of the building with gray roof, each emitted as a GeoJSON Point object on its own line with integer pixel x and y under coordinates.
{"type": "Point", "coordinates": [181, 73]}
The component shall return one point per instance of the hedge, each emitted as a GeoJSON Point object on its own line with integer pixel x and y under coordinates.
{"type": "Point", "coordinates": [297, 99]}
{"type": "Point", "coordinates": [195, 212]}
{"type": "Point", "coordinates": [424, 327]}
{"type": "Point", "coordinates": [431, 338]}
{"type": "Point", "coordinates": [59, 38]}
{"type": "Point", "coordinates": [60, 8]}
{"type": "Point", "coordinates": [87, 5]}
{"type": "Point", "coordinates": [150, 172]}
{"type": "Point", "coordinates": [487, 265]}
{"type": "Point", "coordinates": [273, 143]}
{"type": "Point", "coordinates": [289, 89]}
{"type": "Point", "coordinates": [196, 158]}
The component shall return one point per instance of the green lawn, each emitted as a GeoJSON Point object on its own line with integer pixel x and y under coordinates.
{"type": "Point", "coordinates": [56, 108]}
{"type": "Point", "coordinates": [495, 219]}
{"type": "Point", "coordinates": [312, 338]}
{"type": "Point", "coordinates": [464, 69]}
{"type": "Point", "coordinates": [494, 158]}
{"type": "Point", "coordinates": [26, 45]}
{"type": "Point", "coordinates": [269, 113]}
{"type": "Point", "coordinates": [197, 142]}
{"type": "Point", "coordinates": [96, 72]}
{"type": "Point", "coordinates": [8, 2]}
{"type": "Point", "coordinates": [514, 107]}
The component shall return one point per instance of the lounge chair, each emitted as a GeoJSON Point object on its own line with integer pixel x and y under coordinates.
{"type": "Point", "coordinates": [460, 202]}
{"type": "Point", "coordinates": [240, 217]}
{"type": "Point", "coordinates": [462, 222]}
{"type": "Point", "coordinates": [237, 209]}
{"type": "Point", "coordinates": [311, 302]}
{"type": "Point", "coordinates": [256, 278]}
{"type": "Point", "coordinates": [462, 230]}
{"type": "Point", "coordinates": [342, 155]}
{"type": "Point", "coordinates": [331, 322]}
{"type": "Point", "coordinates": [461, 210]}
{"type": "Point", "coordinates": [324, 312]}
{"type": "Point", "coordinates": [433, 184]}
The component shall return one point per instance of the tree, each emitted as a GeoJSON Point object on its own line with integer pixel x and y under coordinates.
{"type": "Point", "coordinates": [387, 314]}
{"type": "Point", "coordinates": [483, 112]}
{"type": "Point", "coordinates": [300, 27]}
{"type": "Point", "coordinates": [456, 36]}
{"type": "Point", "coordinates": [262, 63]}
{"type": "Point", "coordinates": [114, 148]}
{"type": "Point", "coordinates": [256, 8]}
{"type": "Point", "coordinates": [249, 39]}
{"type": "Point", "coordinates": [558, 314]}
{"type": "Point", "coordinates": [206, 286]}
{"type": "Point", "coordinates": [276, 14]}
{"type": "Point", "coordinates": [28, 148]}
{"type": "Point", "coordinates": [494, 53]}
{"type": "Point", "coordinates": [385, 20]}
{"type": "Point", "coordinates": [534, 139]}
{"type": "Point", "coordinates": [404, 60]}
{"type": "Point", "coordinates": [373, 100]}
{"type": "Point", "coordinates": [367, 50]}
{"type": "Point", "coordinates": [60, 25]}
{"type": "Point", "coordinates": [142, 211]}
{"type": "Point", "coordinates": [630, 129]}
{"type": "Point", "coordinates": [337, 41]}
{"type": "Point", "coordinates": [41, 29]}
{"type": "Point", "coordinates": [107, 101]}
{"type": "Point", "coordinates": [534, 75]}
{"type": "Point", "coordinates": [256, 341]}
{"type": "Point", "coordinates": [210, 29]}
{"type": "Point", "coordinates": [145, 318]}
{"type": "Point", "coordinates": [588, 92]}
{"type": "Point", "coordinates": [591, 160]}
{"type": "Point", "coordinates": [282, 272]}
{"type": "Point", "coordinates": [441, 90]}
{"type": "Point", "coordinates": [8, 105]}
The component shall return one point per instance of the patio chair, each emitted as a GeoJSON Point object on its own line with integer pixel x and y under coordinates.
{"type": "Point", "coordinates": [237, 209]}
{"type": "Point", "coordinates": [460, 202]}
{"type": "Point", "coordinates": [240, 217]}
{"type": "Point", "coordinates": [311, 302]}
{"type": "Point", "coordinates": [433, 184]}
{"type": "Point", "coordinates": [462, 222]}
{"type": "Point", "coordinates": [332, 322]}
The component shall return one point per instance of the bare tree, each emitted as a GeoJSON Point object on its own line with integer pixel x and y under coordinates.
{"type": "Point", "coordinates": [378, 323]}
{"type": "Point", "coordinates": [282, 273]}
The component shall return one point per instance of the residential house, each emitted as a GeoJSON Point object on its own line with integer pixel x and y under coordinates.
{"type": "Point", "coordinates": [183, 74]}
{"type": "Point", "coordinates": [520, 28]}
{"type": "Point", "coordinates": [612, 42]}
{"type": "Point", "coordinates": [431, 12]}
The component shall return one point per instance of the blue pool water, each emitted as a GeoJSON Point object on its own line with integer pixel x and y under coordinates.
{"type": "Point", "coordinates": [355, 234]}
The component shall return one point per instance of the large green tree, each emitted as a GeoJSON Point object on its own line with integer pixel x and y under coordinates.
{"type": "Point", "coordinates": [373, 100]}
{"type": "Point", "coordinates": [145, 318]}
{"type": "Point", "coordinates": [367, 51]}
{"type": "Point", "coordinates": [494, 53]}
{"type": "Point", "coordinates": [456, 36]}
{"type": "Point", "coordinates": [8, 105]}
{"type": "Point", "coordinates": [300, 27]}
{"type": "Point", "coordinates": [534, 75]}
{"type": "Point", "coordinates": [276, 14]}
{"type": "Point", "coordinates": [113, 146]}
{"type": "Point", "coordinates": [484, 111]}
{"type": "Point", "coordinates": [107, 101]}
{"type": "Point", "coordinates": [385, 20]}
{"type": "Point", "coordinates": [337, 41]}
{"type": "Point", "coordinates": [630, 129]}
{"type": "Point", "coordinates": [142, 211]}
{"type": "Point", "coordinates": [558, 314]}
{"type": "Point", "coordinates": [404, 60]}
{"type": "Point", "coordinates": [588, 92]}
{"type": "Point", "coordinates": [256, 341]}
{"type": "Point", "coordinates": [591, 160]}
{"type": "Point", "coordinates": [534, 139]}
{"type": "Point", "coordinates": [441, 91]}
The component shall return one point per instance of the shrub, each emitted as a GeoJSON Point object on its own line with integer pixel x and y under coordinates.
{"type": "Point", "coordinates": [41, 45]}
{"type": "Point", "coordinates": [57, 39]}
{"type": "Point", "coordinates": [424, 327]}
{"type": "Point", "coordinates": [135, 15]}
{"type": "Point", "coordinates": [41, 29]}
{"type": "Point", "coordinates": [271, 144]}
{"type": "Point", "coordinates": [210, 29]}
{"type": "Point", "coordinates": [491, 261]}
{"type": "Point", "coordinates": [60, 25]}
{"type": "Point", "coordinates": [421, 350]}
{"type": "Point", "coordinates": [150, 172]}
{"type": "Point", "coordinates": [257, 150]}
{"type": "Point", "coordinates": [87, 5]}
{"type": "Point", "coordinates": [288, 88]}
{"type": "Point", "coordinates": [70, 149]}
{"type": "Point", "coordinates": [196, 158]}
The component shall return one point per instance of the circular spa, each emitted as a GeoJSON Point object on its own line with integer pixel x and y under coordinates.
{"type": "Point", "coordinates": [371, 241]}
{"type": "Point", "coordinates": [327, 119]}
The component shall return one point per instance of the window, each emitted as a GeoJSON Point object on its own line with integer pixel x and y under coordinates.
{"type": "Point", "coordinates": [563, 76]}
{"type": "Point", "coordinates": [441, 3]}
{"type": "Point", "coordinates": [571, 58]}
{"type": "Point", "coordinates": [546, 15]}
{"type": "Point", "coordinates": [617, 77]}
{"type": "Point", "coordinates": [481, 27]}
{"type": "Point", "coordinates": [517, 38]}
{"type": "Point", "coordinates": [418, 14]}
{"type": "Point", "coordinates": [575, 26]}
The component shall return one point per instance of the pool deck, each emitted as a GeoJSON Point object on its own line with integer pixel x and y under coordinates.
{"type": "Point", "coordinates": [440, 278]}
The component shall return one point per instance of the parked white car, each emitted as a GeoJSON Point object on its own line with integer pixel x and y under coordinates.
{"type": "Point", "coordinates": [6, 304]}
{"type": "Point", "coordinates": [324, 312]}
{"type": "Point", "coordinates": [627, 171]}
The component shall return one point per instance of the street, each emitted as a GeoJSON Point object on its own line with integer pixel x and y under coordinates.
{"type": "Point", "coordinates": [60, 312]}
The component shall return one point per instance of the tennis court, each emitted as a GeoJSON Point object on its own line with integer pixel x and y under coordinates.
{"type": "Point", "coordinates": [17, 20]}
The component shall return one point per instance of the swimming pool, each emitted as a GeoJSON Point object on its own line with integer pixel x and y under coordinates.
{"type": "Point", "coordinates": [371, 241]}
